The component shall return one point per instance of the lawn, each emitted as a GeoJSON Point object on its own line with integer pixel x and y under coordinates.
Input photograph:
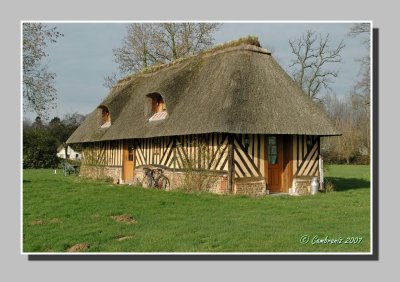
{"type": "Point", "coordinates": [62, 211]}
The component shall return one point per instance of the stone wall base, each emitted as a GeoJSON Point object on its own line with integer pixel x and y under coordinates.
{"type": "Point", "coordinates": [250, 186]}
{"type": "Point", "coordinates": [301, 186]}
{"type": "Point", "coordinates": [180, 180]}
{"type": "Point", "coordinates": [216, 183]}
{"type": "Point", "coordinates": [102, 172]}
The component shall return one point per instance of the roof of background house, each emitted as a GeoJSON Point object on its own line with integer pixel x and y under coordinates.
{"type": "Point", "coordinates": [234, 88]}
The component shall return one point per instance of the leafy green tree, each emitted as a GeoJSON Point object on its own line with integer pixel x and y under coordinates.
{"type": "Point", "coordinates": [41, 141]}
{"type": "Point", "coordinates": [59, 131]}
{"type": "Point", "coordinates": [39, 149]}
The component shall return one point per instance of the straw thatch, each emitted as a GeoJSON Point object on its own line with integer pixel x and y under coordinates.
{"type": "Point", "coordinates": [239, 89]}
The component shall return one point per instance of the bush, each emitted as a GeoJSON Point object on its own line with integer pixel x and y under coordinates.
{"type": "Point", "coordinates": [329, 186]}
{"type": "Point", "coordinates": [195, 178]}
{"type": "Point", "coordinates": [39, 149]}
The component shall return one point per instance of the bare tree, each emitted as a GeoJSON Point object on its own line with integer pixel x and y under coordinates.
{"type": "Point", "coordinates": [147, 44]}
{"type": "Point", "coordinates": [362, 90]}
{"type": "Point", "coordinates": [176, 40]}
{"type": "Point", "coordinates": [136, 52]}
{"type": "Point", "coordinates": [352, 120]}
{"type": "Point", "coordinates": [361, 29]}
{"type": "Point", "coordinates": [39, 93]}
{"type": "Point", "coordinates": [110, 80]}
{"type": "Point", "coordinates": [313, 56]}
{"type": "Point", "coordinates": [363, 85]}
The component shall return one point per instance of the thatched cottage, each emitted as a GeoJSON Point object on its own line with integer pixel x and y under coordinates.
{"type": "Point", "coordinates": [232, 111]}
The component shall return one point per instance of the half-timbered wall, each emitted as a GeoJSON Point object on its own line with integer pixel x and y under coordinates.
{"type": "Point", "coordinates": [155, 151]}
{"type": "Point", "coordinates": [249, 158]}
{"type": "Point", "coordinates": [206, 151]}
{"type": "Point", "coordinates": [203, 151]}
{"type": "Point", "coordinates": [305, 155]}
{"type": "Point", "coordinates": [107, 153]}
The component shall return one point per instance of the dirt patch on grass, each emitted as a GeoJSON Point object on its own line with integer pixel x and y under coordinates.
{"type": "Point", "coordinates": [42, 222]}
{"type": "Point", "coordinates": [127, 218]}
{"type": "Point", "coordinates": [55, 220]}
{"type": "Point", "coordinates": [36, 222]}
{"type": "Point", "coordinates": [78, 248]}
{"type": "Point", "coordinates": [123, 238]}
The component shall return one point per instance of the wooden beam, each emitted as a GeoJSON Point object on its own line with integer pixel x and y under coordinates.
{"type": "Point", "coordinates": [173, 148]}
{"type": "Point", "coordinates": [288, 166]}
{"type": "Point", "coordinates": [231, 165]}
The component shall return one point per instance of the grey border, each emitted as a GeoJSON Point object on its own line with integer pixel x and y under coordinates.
{"type": "Point", "coordinates": [384, 16]}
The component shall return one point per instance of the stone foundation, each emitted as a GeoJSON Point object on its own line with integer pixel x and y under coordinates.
{"type": "Point", "coordinates": [301, 186]}
{"type": "Point", "coordinates": [178, 179]}
{"type": "Point", "coordinates": [250, 186]}
{"type": "Point", "coordinates": [217, 184]}
{"type": "Point", "coordinates": [102, 172]}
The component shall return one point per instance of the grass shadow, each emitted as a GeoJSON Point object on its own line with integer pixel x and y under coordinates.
{"type": "Point", "coordinates": [344, 184]}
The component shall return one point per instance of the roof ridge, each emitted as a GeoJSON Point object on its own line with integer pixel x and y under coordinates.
{"type": "Point", "coordinates": [248, 43]}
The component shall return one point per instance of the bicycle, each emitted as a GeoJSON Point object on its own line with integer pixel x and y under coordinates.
{"type": "Point", "coordinates": [155, 178]}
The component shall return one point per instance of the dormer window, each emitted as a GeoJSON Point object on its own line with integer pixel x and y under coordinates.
{"type": "Point", "coordinates": [156, 107]}
{"type": "Point", "coordinates": [105, 117]}
{"type": "Point", "coordinates": [157, 103]}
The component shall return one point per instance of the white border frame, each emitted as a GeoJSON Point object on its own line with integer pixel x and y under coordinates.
{"type": "Point", "coordinates": [198, 253]}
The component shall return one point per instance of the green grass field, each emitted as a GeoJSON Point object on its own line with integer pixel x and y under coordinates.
{"type": "Point", "coordinates": [62, 211]}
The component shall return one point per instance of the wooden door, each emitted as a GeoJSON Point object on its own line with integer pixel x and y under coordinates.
{"type": "Point", "coordinates": [287, 142]}
{"type": "Point", "coordinates": [128, 162]}
{"type": "Point", "coordinates": [274, 160]}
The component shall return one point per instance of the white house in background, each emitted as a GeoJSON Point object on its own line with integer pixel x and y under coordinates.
{"type": "Point", "coordinates": [71, 153]}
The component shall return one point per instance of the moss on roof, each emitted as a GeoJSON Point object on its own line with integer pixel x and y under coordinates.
{"type": "Point", "coordinates": [248, 40]}
{"type": "Point", "coordinates": [236, 87]}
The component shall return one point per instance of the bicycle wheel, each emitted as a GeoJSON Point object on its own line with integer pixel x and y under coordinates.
{"type": "Point", "coordinates": [163, 183]}
{"type": "Point", "coordinates": [147, 181]}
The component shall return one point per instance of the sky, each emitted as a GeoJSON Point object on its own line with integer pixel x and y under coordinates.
{"type": "Point", "coordinates": [83, 57]}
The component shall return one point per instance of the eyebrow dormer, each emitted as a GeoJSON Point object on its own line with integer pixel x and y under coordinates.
{"type": "Point", "coordinates": [156, 107]}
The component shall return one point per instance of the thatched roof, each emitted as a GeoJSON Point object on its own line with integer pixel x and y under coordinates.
{"type": "Point", "coordinates": [234, 89]}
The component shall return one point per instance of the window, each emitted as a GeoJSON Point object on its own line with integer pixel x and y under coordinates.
{"type": "Point", "coordinates": [158, 104]}
{"type": "Point", "coordinates": [272, 150]}
{"type": "Point", "coordinates": [309, 142]}
{"type": "Point", "coordinates": [105, 117]}
{"type": "Point", "coordinates": [130, 153]}
{"type": "Point", "coordinates": [246, 141]}
{"type": "Point", "coordinates": [156, 107]}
